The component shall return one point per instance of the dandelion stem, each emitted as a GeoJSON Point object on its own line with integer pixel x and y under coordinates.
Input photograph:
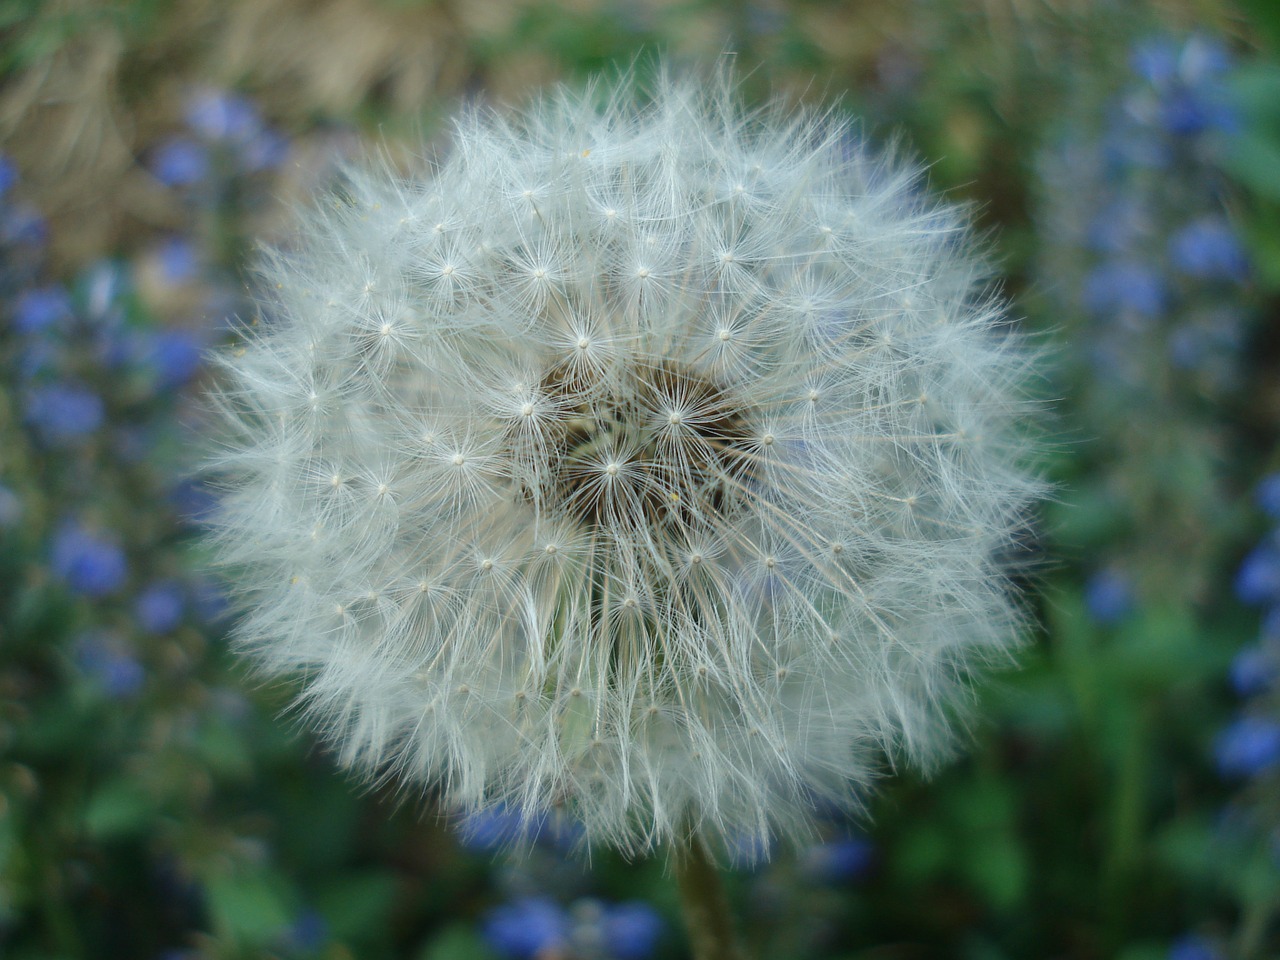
{"type": "Point", "coordinates": [705, 906]}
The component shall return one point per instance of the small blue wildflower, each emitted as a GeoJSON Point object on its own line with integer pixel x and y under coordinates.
{"type": "Point", "coordinates": [90, 563]}
{"type": "Point", "coordinates": [498, 827]}
{"type": "Point", "coordinates": [308, 932]}
{"type": "Point", "coordinates": [8, 175]}
{"type": "Point", "coordinates": [175, 356]}
{"type": "Point", "coordinates": [1258, 580]}
{"type": "Point", "coordinates": [839, 861]}
{"type": "Point", "coordinates": [748, 852]}
{"type": "Point", "coordinates": [104, 657]}
{"type": "Point", "coordinates": [160, 606]}
{"type": "Point", "coordinates": [1191, 947]}
{"type": "Point", "coordinates": [192, 500]}
{"type": "Point", "coordinates": [1189, 113]}
{"type": "Point", "coordinates": [218, 115]}
{"type": "Point", "coordinates": [526, 928]}
{"type": "Point", "coordinates": [1203, 59]}
{"type": "Point", "coordinates": [1253, 670]}
{"type": "Point", "coordinates": [1268, 495]}
{"type": "Point", "coordinates": [1124, 286]}
{"type": "Point", "coordinates": [63, 413]}
{"type": "Point", "coordinates": [178, 260]}
{"type": "Point", "coordinates": [502, 826]}
{"type": "Point", "coordinates": [1191, 101]}
{"type": "Point", "coordinates": [266, 151]}
{"type": "Point", "coordinates": [41, 309]}
{"type": "Point", "coordinates": [1208, 249]}
{"type": "Point", "coordinates": [1249, 746]}
{"type": "Point", "coordinates": [1108, 597]}
{"type": "Point", "coordinates": [180, 162]}
{"type": "Point", "coordinates": [631, 930]}
{"type": "Point", "coordinates": [22, 225]}
{"type": "Point", "coordinates": [1155, 60]}
{"type": "Point", "coordinates": [1271, 624]}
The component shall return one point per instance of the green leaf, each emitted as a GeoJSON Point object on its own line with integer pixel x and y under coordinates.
{"type": "Point", "coordinates": [119, 808]}
{"type": "Point", "coordinates": [997, 868]}
{"type": "Point", "coordinates": [250, 909]}
{"type": "Point", "coordinates": [358, 906]}
{"type": "Point", "coordinates": [224, 750]}
{"type": "Point", "coordinates": [456, 942]}
{"type": "Point", "coordinates": [921, 854]}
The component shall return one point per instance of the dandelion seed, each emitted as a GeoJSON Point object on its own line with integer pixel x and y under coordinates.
{"type": "Point", "coordinates": [676, 547]}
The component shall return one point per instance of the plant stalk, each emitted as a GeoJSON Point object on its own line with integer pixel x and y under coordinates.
{"type": "Point", "coordinates": [704, 904]}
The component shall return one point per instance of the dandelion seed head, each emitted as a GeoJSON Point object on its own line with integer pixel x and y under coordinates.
{"type": "Point", "coordinates": [619, 494]}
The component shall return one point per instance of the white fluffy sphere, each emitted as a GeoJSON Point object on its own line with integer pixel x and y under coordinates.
{"type": "Point", "coordinates": [655, 464]}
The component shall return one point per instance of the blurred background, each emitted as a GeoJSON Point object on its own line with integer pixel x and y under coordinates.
{"type": "Point", "coordinates": [1122, 795]}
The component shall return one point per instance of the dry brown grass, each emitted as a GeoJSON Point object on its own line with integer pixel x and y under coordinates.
{"type": "Point", "coordinates": [78, 119]}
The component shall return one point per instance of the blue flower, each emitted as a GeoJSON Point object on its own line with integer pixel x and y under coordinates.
{"type": "Point", "coordinates": [63, 413]}
{"type": "Point", "coordinates": [308, 932]}
{"type": "Point", "coordinates": [1249, 746]}
{"type": "Point", "coordinates": [41, 309]}
{"type": "Point", "coordinates": [1254, 670]}
{"type": "Point", "coordinates": [631, 930]}
{"type": "Point", "coordinates": [175, 356]}
{"type": "Point", "coordinates": [1188, 113]}
{"type": "Point", "coordinates": [1124, 286]}
{"type": "Point", "coordinates": [842, 860]}
{"type": "Point", "coordinates": [1155, 60]}
{"type": "Point", "coordinates": [1191, 947]}
{"type": "Point", "coordinates": [160, 606]}
{"type": "Point", "coordinates": [1258, 581]}
{"type": "Point", "coordinates": [497, 827]}
{"type": "Point", "coordinates": [1108, 597]}
{"type": "Point", "coordinates": [89, 563]}
{"type": "Point", "coordinates": [1209, 250]}
{"type": "Point", "coordinates": [217, 115]}
{"type": "Point", "coordinates": [265, 151]}
{"type": "Point", "coordinates": [22, 225]}
{"type": "Point", "coordinates": [178, 260]}
{"type": "Point", "coordinates": [1268, 495]}
{"type": "Point", "coordinates": [501, 826]}
{"type": "Point", "coordinates": [8, 175]}
{"type": "Point", "coordinates": [105, 658]}
{"type": "Point", "coordinates": [180, 162]}
{"type": "Point", "coordinates": [527, 927]}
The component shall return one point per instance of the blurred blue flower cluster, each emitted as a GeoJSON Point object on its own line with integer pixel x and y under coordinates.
{"type": "Point", "coordinates": [537, 928]}
{"type": "Point", "coordinates": [1249, 748]}
{"type": "Point", "coordinates": [1142, 260]}
{"type": "Point", "coordinates": [225, 136]}
{"type": "Point", "coordinates": [1143, 205]}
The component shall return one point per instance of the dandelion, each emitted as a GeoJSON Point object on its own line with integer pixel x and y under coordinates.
{"type": "Point", "coordinates": [649, 465]}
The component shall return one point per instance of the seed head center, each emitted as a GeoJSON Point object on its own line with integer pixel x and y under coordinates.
{"type": "Point", "coordinates": [642, 444]}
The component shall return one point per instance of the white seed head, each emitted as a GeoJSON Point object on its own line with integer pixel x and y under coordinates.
{"type": "Point", "coordinates": [676, 593]}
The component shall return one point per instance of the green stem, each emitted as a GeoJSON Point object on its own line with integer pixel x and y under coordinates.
{"type": "Point", "coordinates": [706, 909]}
